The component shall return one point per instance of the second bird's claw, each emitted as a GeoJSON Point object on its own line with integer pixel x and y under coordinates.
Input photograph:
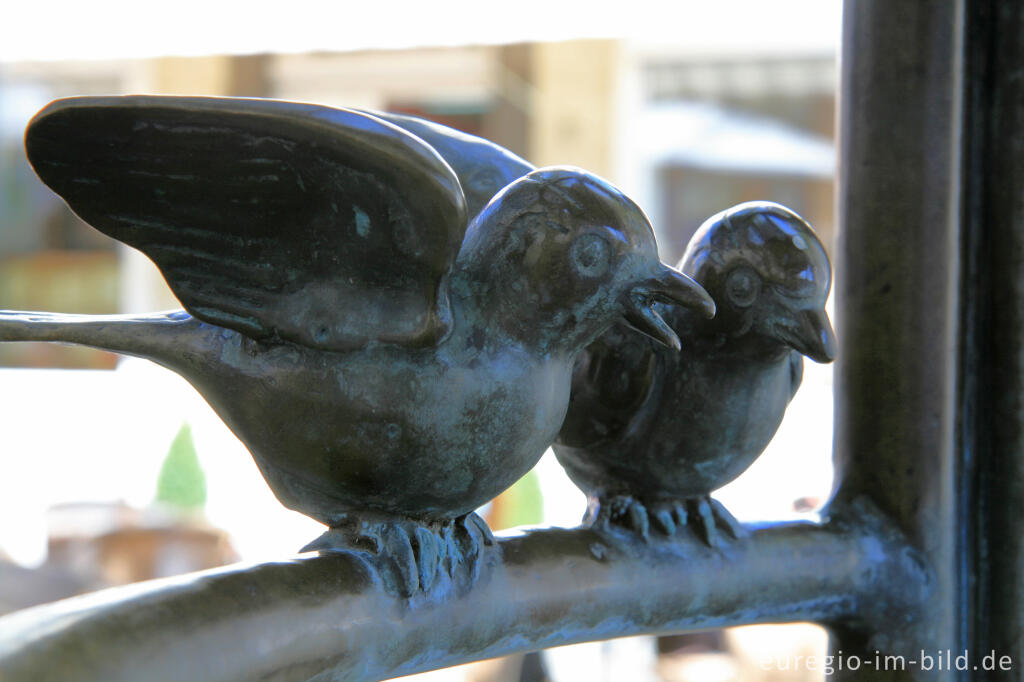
{"type": "Point", "coordinates": [713, 520]}
{"type": "Point", "coordinates": [727, 521]}
{"type": "Point", "coordinates": [664, 521]}
{"type": "Point", "coordinates": [706, 527]}
{"type": "Point", "coordinates": [636, 518]}
{"type": "Point", "coordinates": [707, 518]}
{"type": "Point", "coordinates": [621, 511]}
{"type": "Point", "coordinates": [670, 517]}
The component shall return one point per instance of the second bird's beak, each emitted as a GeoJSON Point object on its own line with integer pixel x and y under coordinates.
{"type": "Point", "coordinates": [813, 336]}
{"type": "Point", "coordinates": [668, 286]}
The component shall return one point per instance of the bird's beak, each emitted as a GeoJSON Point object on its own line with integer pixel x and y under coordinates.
{"type": "Point", "coordinates": [667, 285]}
{"type": "Point", "coordinates": [813, 336]}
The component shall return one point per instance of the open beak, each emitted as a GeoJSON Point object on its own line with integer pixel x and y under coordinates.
{"type": "Point", "coordinates": [667, 285]}
{"type": "Point", "coordinates": [813, 336]}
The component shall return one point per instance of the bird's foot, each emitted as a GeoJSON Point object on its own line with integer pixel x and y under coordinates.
{"type": "Point", "coordinates": [669, 516]}
{"type": "Point", "coordinates": [412, 556]}
{"type": "Point", "coordinates": [711, 521]}
{"type": "Point", "coordinates": [622, 511]}
{"type": "Point", "coordinates": [707, 517]}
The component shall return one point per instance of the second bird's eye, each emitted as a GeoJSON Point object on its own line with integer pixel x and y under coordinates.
{"type": "Point", "coordinates": [590, 255]}
{"type": "Point", "coordinates": [742, 286]}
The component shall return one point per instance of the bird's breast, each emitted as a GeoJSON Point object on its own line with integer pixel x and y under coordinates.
{"type": "Point", "coordinates": [715, 416]}
{"type": "Point", "coordinates": [428, 434]}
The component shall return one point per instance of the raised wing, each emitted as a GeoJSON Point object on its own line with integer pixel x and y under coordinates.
{"type": "Point", "coordinates": [483, 167]}
{"type": "Point", "coordinates": [283, 221]}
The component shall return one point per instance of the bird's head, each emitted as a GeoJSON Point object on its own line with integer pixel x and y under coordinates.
{"type": "Point", "coordinates": [769, 274]}
{"type": "Point", "coordinates": [567, 255]}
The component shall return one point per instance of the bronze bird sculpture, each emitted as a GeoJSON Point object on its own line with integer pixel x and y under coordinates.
{"type": "Point", "coordinates": [649, 435]}
{"type": "Point", "coordinates": [389, 365]}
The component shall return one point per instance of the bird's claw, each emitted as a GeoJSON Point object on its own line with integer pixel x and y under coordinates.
{"type": "Point", "coordinates": [472, 538]}
{"type": "Point", "coordinates": [713, 521]}
{"type": "Point", "coordinates": [473, 533]}
{"type": "Point", "coordinates": [428, 558]}
{"type": "Point", "coordinates": [623, 511]}
{"type": "Point", "coordinates": [706, 517]}
{"type": "Point", "coordinates": [399, 552]}
{"type": "Point", "coordinates": [413, 557]}
{"type": "Point", "coordinates": [729, 522]}
{"type": "Point", "coordinates": [670, 516]}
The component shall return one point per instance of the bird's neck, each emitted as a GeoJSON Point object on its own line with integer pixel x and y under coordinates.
{"type": "Point", "coordinates": [724, 334]}
{"type": "Point", "coordinates": [750, 344]}
{"type": "Point", "coordinates": [501, 308]}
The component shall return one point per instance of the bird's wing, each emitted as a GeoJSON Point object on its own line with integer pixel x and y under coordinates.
{"type": "Point", "coordinates": [325, 227]}
{"type": "Point", "coordinates": [484, 168]}
{"type": "Point", "coordinates": [612, 379]}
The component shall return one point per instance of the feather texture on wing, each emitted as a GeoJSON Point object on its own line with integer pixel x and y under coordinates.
{"type": "Point", "coordinates": [325, 227]}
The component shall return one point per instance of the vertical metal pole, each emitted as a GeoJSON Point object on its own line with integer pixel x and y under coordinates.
{"type": "Point", "coordinates": [898, 302]}
{"type": "Point", "coordinates": [993, 402]}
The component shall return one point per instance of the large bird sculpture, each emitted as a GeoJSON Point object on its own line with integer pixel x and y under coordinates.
{"type": "Point", "coordinates": [390, 365]}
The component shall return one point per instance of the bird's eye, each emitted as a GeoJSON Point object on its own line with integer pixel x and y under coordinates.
{"type": "Point", "coordinates": [742, 286]}
{"type": "Point", "coordinates": [590, 255]}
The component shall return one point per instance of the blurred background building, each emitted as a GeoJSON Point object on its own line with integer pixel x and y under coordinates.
{"type": "Point", "coordinates": [705, 112]}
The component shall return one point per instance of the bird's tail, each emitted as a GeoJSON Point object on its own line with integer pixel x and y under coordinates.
{"type": "Point", "coordinates": [153, 336]}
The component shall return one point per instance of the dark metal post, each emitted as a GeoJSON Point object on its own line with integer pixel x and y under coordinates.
{"type": "Point", "coordinates": [993, 402]}
{"type": "Point", "coordinates": [931, 314]}
{"type": "Point", "coordinates": [898, 299]}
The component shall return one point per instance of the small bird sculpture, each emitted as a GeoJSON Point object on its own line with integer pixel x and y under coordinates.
{"type": "Point", "coordinates": [649, 434]}
{"type": "Point", "coordinates": [389, 367]}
